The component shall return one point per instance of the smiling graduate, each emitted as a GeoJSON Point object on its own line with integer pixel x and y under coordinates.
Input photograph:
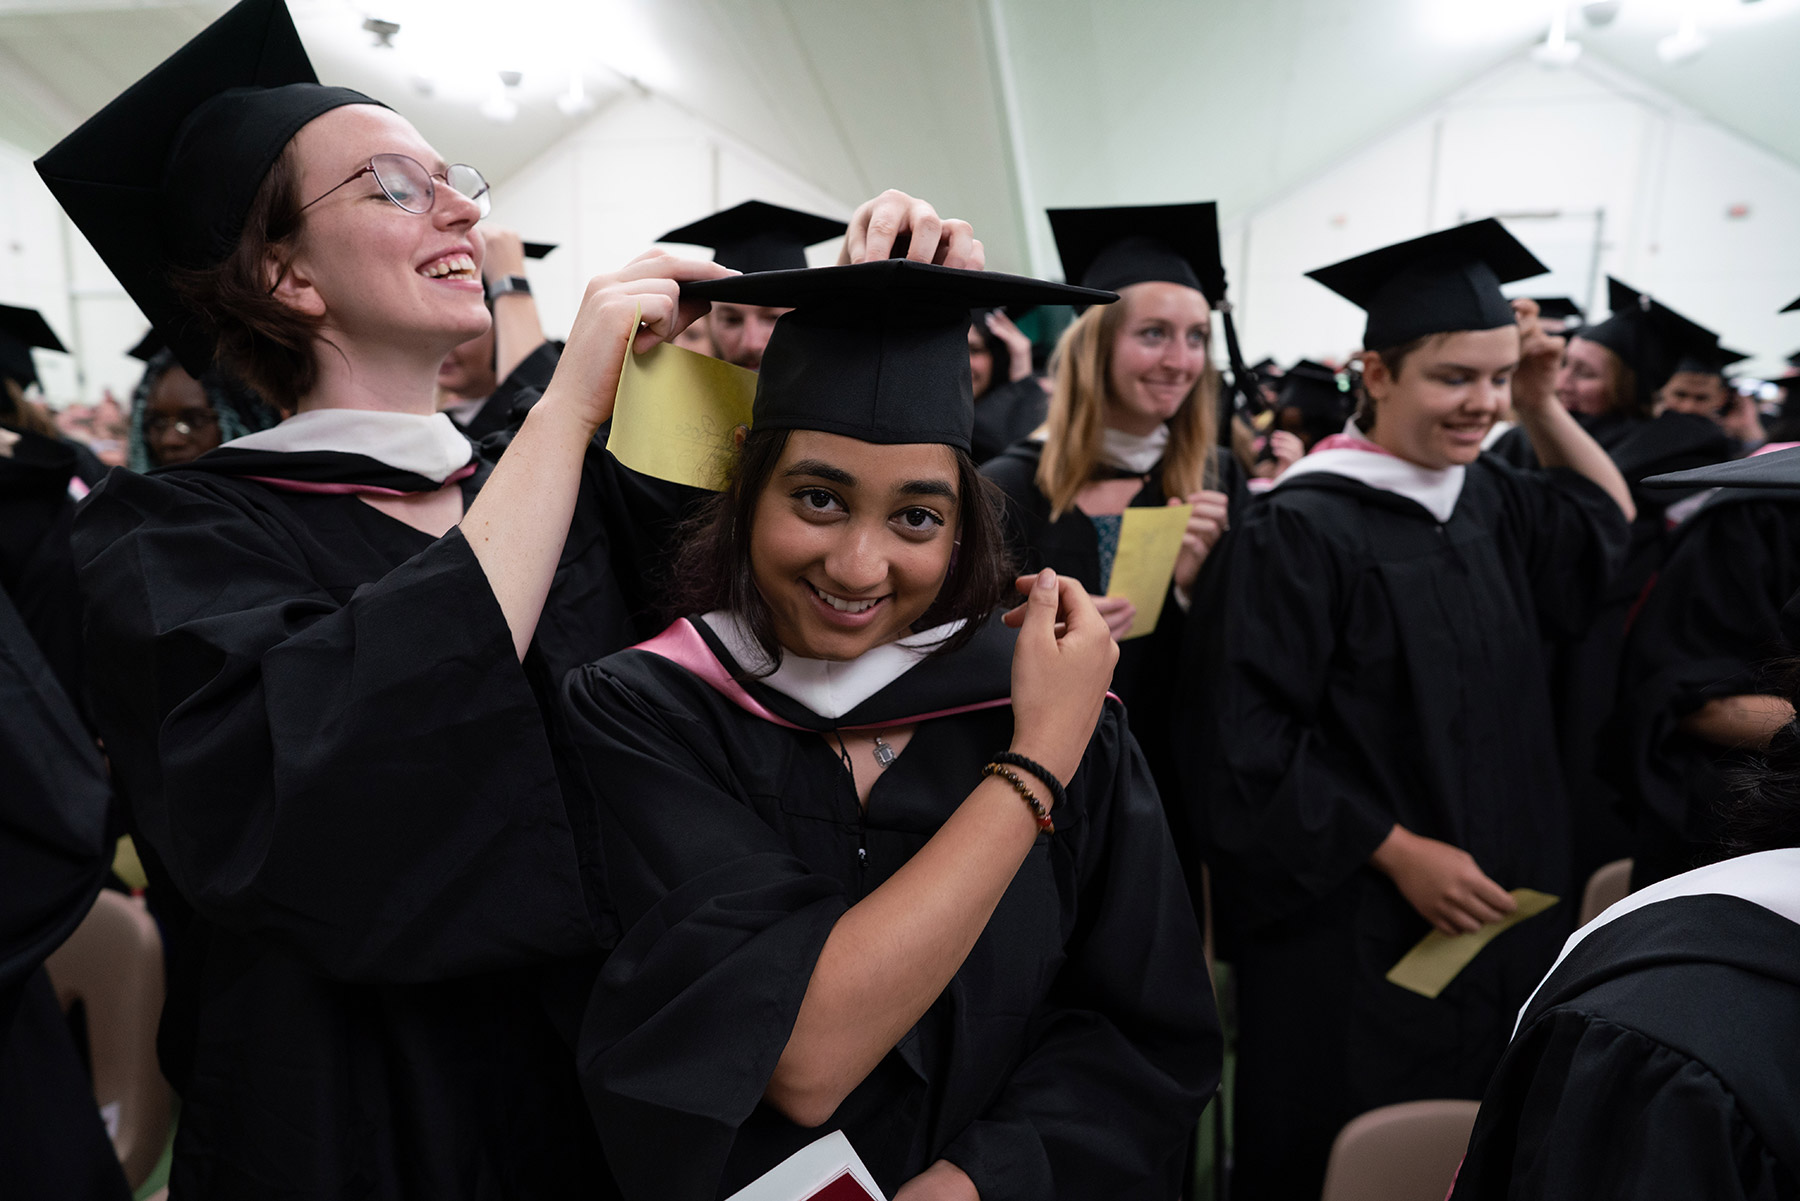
{"type": "Point", "coordinates": [881, 864]}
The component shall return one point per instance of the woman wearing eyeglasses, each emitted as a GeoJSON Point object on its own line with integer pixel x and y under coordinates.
{"type": "Point", "coordinates": [319, 649]}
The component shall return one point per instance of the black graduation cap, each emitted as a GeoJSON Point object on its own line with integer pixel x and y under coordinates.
{"type": "Point", "coordinates": [1792, 305]}
{"type": "Point", "coordinates": [875, 351]}
{"type": "Point", "coordinates": [538, 250]}
{"type": "Point", "coordinates": [1559, 308]}
{"type": "Point", "coordinates": [1651, 338]}
{"type": "Point", "coordinates": [757, 236]}
{"type": "Point", "coordinates": [1708, 361]}
{"type": "Point", "coordinates": [148, 346]}
{"type": "Point", "coordinates": [161, 178]}
{"type": "Point", "coordinates": [1312, 387]}
{"type": "Point", "coordinates": [1113, 248]}
{"type": "Point", "coordinates": [1438, 284]}
{"type": "Point", "coordinates": [1776, 469]}
{"type": "Point", "coordinates": [20, 331]}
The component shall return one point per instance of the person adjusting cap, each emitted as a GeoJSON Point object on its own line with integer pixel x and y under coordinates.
{"type": "Point", "coordinates": [876, 351]}
{"type": "Point", "coordinates": [21, 330]}
{"type": "Point", "coordinates": [161, 179]}
{"type": "Point", "coordinates": [757, 236]}
{"type": "Point", "coordinates": [1441, 283]}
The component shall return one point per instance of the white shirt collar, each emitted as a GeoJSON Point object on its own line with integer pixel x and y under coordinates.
{"type": "Point", "coordinates": [1768, 878]}
{"type": "Point", "coordinates": [1434, 490]}
{"type": "Point", "coordinates": [427, 446]}
{"type": "Point", "coordinates": [830, 688]}
{"type": "Point", "coordinates": [1139, 453]}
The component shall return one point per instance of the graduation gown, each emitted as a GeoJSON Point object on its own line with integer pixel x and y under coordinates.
{"type": "Point", "coordinates": [54, 852]}
{"type": "Point", "coordinates": [336, 759]}
{"type": "Point", "coordinates": [1070, 1055]}
{"type": "Point", "coordinates": [1006, 413]}
{"type": "Point", "coordinates": [1143, 678]}
{"type": "Point", "coordinates": [1709, 627]}
{"type": "Point", "coordinates": [1657, 1060]}
{"type": "Point", "coordinates": [524, 382]}
{"type": "Point", "coordinates": [1361, 665]}
{"type": "Point", "coordinates": [36, 569]}
{"type": "Point", "coordinates": [1585, 666]}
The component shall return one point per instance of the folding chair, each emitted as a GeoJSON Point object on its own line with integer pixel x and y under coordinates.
{"type": "Point", "coordinates": [1605, 888]}
{"type": "Point", "coordinates": [1405, 1152]}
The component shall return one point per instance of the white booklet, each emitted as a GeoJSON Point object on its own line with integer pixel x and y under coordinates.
{"type": "Point", "coordinates": [827, 1170]}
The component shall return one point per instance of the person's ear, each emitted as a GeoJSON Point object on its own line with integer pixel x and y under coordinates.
{"type": "Point", "coordinates": [738, 435]}
{"type": "Point", "coordinates": [291, 284]}
{"type": "Point", "coordinates": [1377, 380]}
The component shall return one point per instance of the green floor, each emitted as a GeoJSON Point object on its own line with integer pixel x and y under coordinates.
{"type": "Point", "coordinates": [159, 1175]}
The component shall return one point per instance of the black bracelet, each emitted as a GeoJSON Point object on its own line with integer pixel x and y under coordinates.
{"type": "Point", "coordinates": [1058, 797]}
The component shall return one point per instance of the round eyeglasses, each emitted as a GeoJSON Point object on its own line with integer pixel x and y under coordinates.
{"type": "Point", "coordinates": [405, 181]}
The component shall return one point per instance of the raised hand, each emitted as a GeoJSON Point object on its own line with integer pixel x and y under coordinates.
{"type": "Point", "coordinates": [878, 225]}
{"type": "Point", "coordinates": [1208, 520]}
{"type": "Point", "coordinates": [1061, 668]}
{"type": "Point", "coordinates": [1540, 355]}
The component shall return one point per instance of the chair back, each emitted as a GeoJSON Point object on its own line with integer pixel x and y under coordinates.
{"type": "Point", "coordinates": [1605, 888]}
{"type": "Point", "coordinates": [113, 964]}
{"type": "Point", "coordinates": [1405, 1152]}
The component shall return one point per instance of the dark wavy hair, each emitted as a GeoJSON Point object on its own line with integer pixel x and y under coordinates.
{"type": "Point", "coordinates": [1764, 811]}
{"type": "Point", "coordinates": [259, 339]}
{"type": "Point", "coordinates": [711, 568]}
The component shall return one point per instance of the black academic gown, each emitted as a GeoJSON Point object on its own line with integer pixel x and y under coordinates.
{"type": "Point", "coordinates": [1006, 413]}
{"type": "Point", "coordinates": [1657, 1061]}
{"type": "Point", "coordinates": [54, 852]}
{"type": "Point", "coordinates": [500, 411]}
{"type": "Point", "coordinates": [36, 570]}
{"type": "Point", "coordinates": [1585, 667]}
{"type": "Point", "coordinates": [1145, 678]}
{"type": "Point", "coordinates": [1709, 627]}
{"type": "Point", "coordinates": [1070, 1055]}
{"type": "Point", "coordinates": [1360, 665]}
{"type": "Point", "coordinates": [335, 757]}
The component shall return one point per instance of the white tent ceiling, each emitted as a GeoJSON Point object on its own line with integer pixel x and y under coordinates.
{"type": "Point", "coordinates": [992, 108]}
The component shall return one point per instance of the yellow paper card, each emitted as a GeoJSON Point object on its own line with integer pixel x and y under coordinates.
{"type": "Point", "coordinates": [1149, 543]}
{"type": "Point", "coordinates": [676, 412]}
{"type": "Point", "coordinates": [126, 865]}
{"type": "Point", "coordinates": [1428, 968]}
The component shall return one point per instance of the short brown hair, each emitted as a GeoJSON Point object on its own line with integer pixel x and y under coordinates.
{"type": "Point", "coordinates": [258, 338]}
{"type": "Point", "coordinates": [712, 567]}
{"type": "Point", "coordinates": [1393, 358]}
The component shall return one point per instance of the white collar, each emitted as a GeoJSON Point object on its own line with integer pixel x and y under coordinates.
{"type": "Point", "coordinates": [1139, 453]}
{"type": "Point", "coordinates": [1434, 490]}
{"type": "Point", "coordinates": [1767, 878]}
{"type": "Point", "coordinates": [828, 687]}
{"type": "Point", "coordinates": [427, 446]}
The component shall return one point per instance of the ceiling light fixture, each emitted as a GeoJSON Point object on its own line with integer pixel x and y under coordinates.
{"type": "Point", "coordinates": [1684, 45]}
{"type": "Point", "coordinates": [575, 101]}
{"type": "Point", "coordinates": [1556, 50]}
{"type": "Point", "coordinates": [500, 105]}
{"type": "Point", "coordinates": [384, 31]}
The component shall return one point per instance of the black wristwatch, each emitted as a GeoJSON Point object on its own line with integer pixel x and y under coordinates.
{"type": "Point", "coordinates": [508, 284]}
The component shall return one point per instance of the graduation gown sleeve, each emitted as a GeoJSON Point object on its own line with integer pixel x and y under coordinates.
{"type": "Point", "coordinates": [1123, 1063]}
{"type": "Point", "coordinates": [722, 926]}
{"type": "Point", "coordinates": [355, 770]}
{"type": "Point", "coordinates": [1289, 809]}
{"type": "Point", "coordinates": [1574, 538]}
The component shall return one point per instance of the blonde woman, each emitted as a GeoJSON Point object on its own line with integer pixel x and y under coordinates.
{"type": "Point", "coordinates": [1134, 421]}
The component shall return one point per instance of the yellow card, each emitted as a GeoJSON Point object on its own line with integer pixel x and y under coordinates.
{"type": "Point", "coordinates": [1149, 542]}
{"type": "Point", "coordinates": [1428, 968]}
{"type": "Point", "coordinates": [676, 412]}
{"type": "Point", "coordinates": [126, 865]}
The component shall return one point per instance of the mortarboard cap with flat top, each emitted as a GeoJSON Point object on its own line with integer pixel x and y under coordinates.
{"type": "Point", "coordinates": [148, 346]}
{"type": "Point", "coordinates": [1791, 306]}
{"type": "Point", "coordinates": [1313, 387]}
{"type": "Point", "coordinates": [1442, 283]}
{"type": "Point", "coordinates": [1559, 308]}
{"type": "Point", "coordinates": [162, 177]}
{"type": "Point", "coordinates": [758, 236]}
{"type": "Point", "coordinates": [1651, 338]}
{"type": "Point", "coordinates": [875, 351]}
{"type": "Point", "coordinates": [21, 330]}
{"type": "Point", "coordinates": [1113, 248]}
{"type": "Point", "coordinates": [1775, 469]}
{"type": "Point", "coordinates": [539, 250]}
{"type": "Point", "coordinates": [1711, 360]}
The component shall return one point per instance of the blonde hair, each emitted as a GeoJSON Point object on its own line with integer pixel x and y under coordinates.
{"type": "Point", "coordinates": [1081, 368]}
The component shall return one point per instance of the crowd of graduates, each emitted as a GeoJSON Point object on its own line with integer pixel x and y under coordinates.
{"type": "Point", "coordinates": [519, 824]}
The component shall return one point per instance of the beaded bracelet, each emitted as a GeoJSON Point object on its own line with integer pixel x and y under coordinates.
{"type": "Point", "coordinates": [1025, 794]}
{"type": "Point", "coordinates": [1058, 797]}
